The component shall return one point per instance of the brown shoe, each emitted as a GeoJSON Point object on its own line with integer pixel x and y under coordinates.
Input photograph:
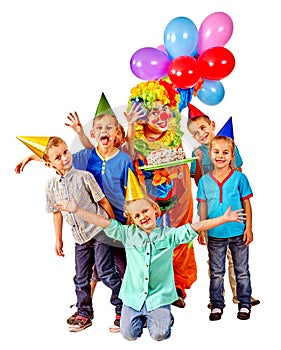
{"type": "Point", "coordinates": [254, 301]}
{"type": "Point", "coordinates": [80, 323]}
{"type": "Point", "coordinates": [72, 318]}
{"type": "Point", "coordinates": [179, 303]}
{"type": "Point", "coordinates": [115, 328]}
{"type": "Point", "coordinates": [244, 313]}
{"type": "Point", "coordinates": [216, 314]}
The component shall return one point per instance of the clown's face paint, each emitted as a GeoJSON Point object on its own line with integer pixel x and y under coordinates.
{"type": "Point", "coordinates": [158, 117]}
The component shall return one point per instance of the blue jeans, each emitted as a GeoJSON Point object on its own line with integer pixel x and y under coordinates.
{"type": "Point", "coordinates": [86, 254]}
{"type": "Point", "coordinates": [217, 248]}
{"type": "Point", "coordinates": [159, 322]}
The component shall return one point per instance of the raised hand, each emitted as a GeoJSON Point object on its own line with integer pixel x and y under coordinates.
{"type": "Point", "coordinates": [136, 112]}
{"type": "Point", "coordinates": [74, 122]}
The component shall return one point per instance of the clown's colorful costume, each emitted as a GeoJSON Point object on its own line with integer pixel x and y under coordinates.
{"type": "Point", "coordinates": [170, 187]}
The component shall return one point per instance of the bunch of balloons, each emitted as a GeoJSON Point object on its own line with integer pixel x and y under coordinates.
{"type": "Point", "coordinates": [191, 58]}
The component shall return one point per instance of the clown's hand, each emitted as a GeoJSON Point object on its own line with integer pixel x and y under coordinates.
{"type": "Point", "coordinates": [136, 112]}
{"type": "Point", "coordinates": [67, 205]}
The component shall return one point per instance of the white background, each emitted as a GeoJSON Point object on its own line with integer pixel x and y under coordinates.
{"type": "Point", "coordinates": [57, 57]}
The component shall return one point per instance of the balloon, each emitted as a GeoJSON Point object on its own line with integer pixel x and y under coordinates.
{"type": "Point", "coordinates": [180, 37]}
{"type": "Point", "coordinates": [183, 72]}
{"type": "Point", "coordinates": [211, 92]}
{"type": "Point", "coordinates": [149, 63]}
{"type": "Point", "coordinates": [216, 63]}
{"type": "Point", "coordinates": [162, 48]}
{"type": "Point", "coordinates": [215, 30]}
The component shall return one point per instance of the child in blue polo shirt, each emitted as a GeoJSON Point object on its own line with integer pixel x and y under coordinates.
{"type": "Point", "coordinates": [217, 190]}
{"type": "Point", "coordinates": [202, 129]}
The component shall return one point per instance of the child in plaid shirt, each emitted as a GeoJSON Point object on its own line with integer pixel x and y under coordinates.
{"type": "Point", "coordinates": [90, 245]}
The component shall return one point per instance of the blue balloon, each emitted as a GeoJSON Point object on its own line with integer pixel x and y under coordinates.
{"type": "Point", "coordinates": [180, 37]}
{"type": "Point", "coordinates": [211, 92]}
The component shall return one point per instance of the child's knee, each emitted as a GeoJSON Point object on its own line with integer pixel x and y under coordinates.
{"type": "Point", "coordinates": [160, 336]}
{"type": "Point", "coordinates": [129, 334]}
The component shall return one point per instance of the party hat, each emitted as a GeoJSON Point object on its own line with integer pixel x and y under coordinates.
{"type": "Point", "coordinates": [227, 129]}
{"type": "Point", "coordinates": [37, 144]}
{"type": "Point", "coordinates": [103, 106]}
{"type": "Point", "coordinates": [194, 112]}
{"type": "Point", "coordinates": [133, 190]}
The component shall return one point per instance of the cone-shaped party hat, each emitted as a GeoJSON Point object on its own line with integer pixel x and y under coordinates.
{"type": "Point", "coordinates": [37, 144]}
{"type": "Point", "coordinates": [133, 190]}
{"type": "Point", "coordinates": [103, 106]}
{"type": "Point", "coordinates": [227, 129]}
{"type": "Point", "coordinates": [194, 112]}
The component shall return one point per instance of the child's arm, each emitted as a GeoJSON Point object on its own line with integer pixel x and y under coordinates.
{"type": "Point", "coordinates": [107, 207]}
{"type": "Point", "coordinates": [73, 207]}
{"type": "Point", "coordinates": [198, 172]}
{"type": "Point", "coordinates": [58, 220]}
{"type": "Point", "coordinates": [134, 113]}
{"type": "Point", "coordinates": [75, 124]}
{"type": "Point", "coordinates": [203, 216]}
{"type": "Point", "coordinates": [228, 216]}
{"type": "Point", "coordinates": [21, 165]}
{"type": "Point", "coordinates": [248, 233]}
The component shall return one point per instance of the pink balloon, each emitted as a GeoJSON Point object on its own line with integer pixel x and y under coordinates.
{"type": "Point", "coordinates": [162, 48]}
{"type": "Point", "coordinates": [215, 30]}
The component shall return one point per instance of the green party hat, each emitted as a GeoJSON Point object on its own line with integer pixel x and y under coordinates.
{"type": "Point", "coordinates": [103, 106]}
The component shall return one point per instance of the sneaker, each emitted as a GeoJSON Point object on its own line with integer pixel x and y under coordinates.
{"type": "Point", "coordinates": [72, 318]}
{"type": "Point", "coordinates": [243, 313]}
{"type": "Point", "coordinates": [180, 302]}
{"type": "Point", "coordinates": [216, 314]}
{"type": "Point", "coordinates": [253, 301]}
{"type": "Point", "coordinates": [115, 328]}
{"type": "Point", "coordinates": [79, 324]}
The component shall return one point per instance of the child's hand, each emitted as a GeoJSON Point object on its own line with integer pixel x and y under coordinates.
{"type": "Point", "coordinates": [201, 238]}
{"type": "Point", "coordinates": [19, 167]}
{"type": "Point", "coordinates": [134, 113]}
{"type": "Point", "coordinates": [248, 236]}
{"type": "Point", "coordinates": [65, 205]}
{"type": "Point", "coordinates": [74, 122]}
{"type": "Point", "coordinates": [198, 153]}
{"type": "Point", "coordinates": [237, 215]}
{"type": "Point", "coordinates": [59, 248]}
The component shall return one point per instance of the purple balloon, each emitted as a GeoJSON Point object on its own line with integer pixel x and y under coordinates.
{"type": "Point", "coordinates": [150, 63]}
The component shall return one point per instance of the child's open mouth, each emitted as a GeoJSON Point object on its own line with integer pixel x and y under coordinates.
{"type": "Point", "coordinates": [104, 140]}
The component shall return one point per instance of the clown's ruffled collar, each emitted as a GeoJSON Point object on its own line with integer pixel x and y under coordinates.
{"type": "Point", "coordinates": [171, 138]}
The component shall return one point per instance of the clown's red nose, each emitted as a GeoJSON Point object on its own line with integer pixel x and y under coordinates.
{"type": "Point", "coordinates": [164, 116]}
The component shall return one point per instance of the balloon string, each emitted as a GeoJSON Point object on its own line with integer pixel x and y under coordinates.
{"type": "Point", "coordinates": [198, 86]}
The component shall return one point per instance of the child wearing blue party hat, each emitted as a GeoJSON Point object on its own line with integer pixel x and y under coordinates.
{"type": "Point", "coordinates": [217, 190]}
{"type": "Point", "coordinates": [202, 129]}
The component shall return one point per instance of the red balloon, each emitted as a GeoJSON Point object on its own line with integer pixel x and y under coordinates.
{"type": "Point", "coordinates": [183, 72]}
{"type": "Point", "coordinates": [216, 63]}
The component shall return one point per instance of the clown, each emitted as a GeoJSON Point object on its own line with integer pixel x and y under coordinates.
{"type": "Point", "coordinates": [170, 186]}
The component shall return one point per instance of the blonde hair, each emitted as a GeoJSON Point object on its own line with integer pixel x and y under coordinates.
{"type": "Point", "coordinates": [100, 116]}
{"type": "Point", "coordinates": [149, 200]}
{"type": "Point", "coordinates": [231, 143]}
{"type": "Point", "coordinates": [54, 141]}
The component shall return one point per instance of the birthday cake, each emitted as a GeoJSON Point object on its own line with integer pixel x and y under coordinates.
{"type": "Point", "coordinates": [165, 155]}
